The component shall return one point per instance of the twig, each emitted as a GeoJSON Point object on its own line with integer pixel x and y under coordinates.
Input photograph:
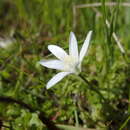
{"type": "Point", "coordinates": [107, 22]}
{"type": "Point", "coordinates": [74, 16]}
{"type": "Point", "coordinates": [113, 34]}
{"type": "Point", "coordinates": [126, 4]}
{"type": "Point", "coordinates": [2, 125]}
{"type": "Point", "coordinates": [116, 38]}
{"type": "Point", "coordinates": [50, 125]}
{"type": "Point", "coordinates": [125, 101]}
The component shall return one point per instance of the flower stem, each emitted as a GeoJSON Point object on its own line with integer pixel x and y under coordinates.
{"type": "Point", "coordinates": [91, 87]}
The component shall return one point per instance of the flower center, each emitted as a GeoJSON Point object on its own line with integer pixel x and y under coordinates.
{"type": "Point", "coordinates": [71, 64]}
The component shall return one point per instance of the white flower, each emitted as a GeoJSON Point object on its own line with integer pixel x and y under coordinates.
{"type": "Point", "coordinates": [68, 64]}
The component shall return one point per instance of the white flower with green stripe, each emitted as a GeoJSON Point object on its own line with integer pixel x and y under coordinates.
{"type": "Point", "coordinates": [66, 63]}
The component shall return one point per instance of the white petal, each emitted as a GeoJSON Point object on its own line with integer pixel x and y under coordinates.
{"type": "Point", "coordinates": [73, 47]}
{"type": "Point", "coordinates": [53, 64]}
{"type": "Point", "coordinates": [57, 51]}
{"type": "Point", "coordinates": [56, 79]}
{"type": "Point", "coordinates": [85, 46]}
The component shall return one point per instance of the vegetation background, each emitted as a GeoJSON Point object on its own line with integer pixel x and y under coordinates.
{"type": "Point", "coordinates": [34, 24]}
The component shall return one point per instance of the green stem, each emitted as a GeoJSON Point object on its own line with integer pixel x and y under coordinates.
{"type": "Point", "coordinates": [125, 123]}
{"type": "Point", "coordinates": [91, 87]}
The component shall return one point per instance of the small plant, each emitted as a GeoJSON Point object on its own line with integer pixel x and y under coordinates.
{"type": "Point", "coordinates": [68, 64]}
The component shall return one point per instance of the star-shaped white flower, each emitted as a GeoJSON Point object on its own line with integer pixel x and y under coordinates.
{"type": "Point", "coordinates": [68, 64]}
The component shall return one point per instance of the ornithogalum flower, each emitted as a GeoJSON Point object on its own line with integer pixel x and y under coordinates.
{"type": "Point", "coordinates": [67, 64]}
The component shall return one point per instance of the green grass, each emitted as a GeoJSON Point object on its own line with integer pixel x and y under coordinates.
{"type": "Point", "coordinates": [36, 24]}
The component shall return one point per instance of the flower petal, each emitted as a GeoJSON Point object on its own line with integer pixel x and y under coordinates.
{"type": "Point", "coordinates": [57, 51]}
{"type": "Point", "coordinates": [56, 79]}
{"type": "Point", "coordinates": [53, 64]}
{"type": "Point", "coordinates": [73, 47]}
{"type": "Point", "coordinates": [85, 46]}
